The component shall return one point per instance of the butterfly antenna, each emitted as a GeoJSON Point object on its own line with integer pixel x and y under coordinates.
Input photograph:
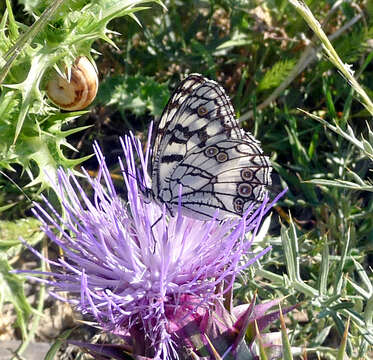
{"type": "Point", "coordinates": [141, 182]}
{"type": "Point", "coordinates": [138, 178]}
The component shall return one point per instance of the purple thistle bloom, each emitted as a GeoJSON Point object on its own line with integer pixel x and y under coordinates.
{"type": "Point", "coordinates": [138, 272]}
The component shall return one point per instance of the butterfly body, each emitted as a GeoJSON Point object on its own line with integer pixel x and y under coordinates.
{"type": "Point", "coordinates": [197, 143]}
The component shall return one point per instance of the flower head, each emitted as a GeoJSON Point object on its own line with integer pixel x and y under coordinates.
{"type": "Point", "coordinates": [138, 272]}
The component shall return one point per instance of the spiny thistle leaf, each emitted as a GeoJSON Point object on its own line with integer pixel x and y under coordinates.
{"type": "Point", "coordinates": [31, 126]}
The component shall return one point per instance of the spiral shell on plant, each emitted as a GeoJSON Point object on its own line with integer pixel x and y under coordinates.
{"type": "Point", "coordinates": [79, 90]}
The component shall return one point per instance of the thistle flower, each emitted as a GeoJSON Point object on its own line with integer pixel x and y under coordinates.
{"type": "Point", "coordinates": [154, 280]}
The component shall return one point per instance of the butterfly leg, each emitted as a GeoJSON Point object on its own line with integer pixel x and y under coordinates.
{"type": "Point", "coordinates": [151, 229]}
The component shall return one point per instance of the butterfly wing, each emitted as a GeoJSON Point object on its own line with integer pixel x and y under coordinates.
{"type": "Point", "coordinates": [180, 127]}
{"type": "Point", "coordinates": [198, 143]}
{"type": "Point", "coordinates": [229, 175]}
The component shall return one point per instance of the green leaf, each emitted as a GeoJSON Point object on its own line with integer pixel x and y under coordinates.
{"type": "Point", "coordinates": [135, 93]}
{"type": "Point", "coordinates": [341, 355]}
{"type": "Point", "coordinates": [262, 352]}
{"type": "Point", "coordinates": [12, 231]}
{"type": "Point", "coordinates": [323, 277]}
{"type": "Point", "coordinates": [274, 77]}
{"type": "Point", "coordinates": [61, 340]}
{"type": "Point", "coordinates": [286, 348]}
{"type": "Point", "coordinates": [341, 184]}
{"type": "Point", "coordinates": [12, 290]}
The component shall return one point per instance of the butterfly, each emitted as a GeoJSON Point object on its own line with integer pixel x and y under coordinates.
{"type": "Point", "coordinates": [197, 143]}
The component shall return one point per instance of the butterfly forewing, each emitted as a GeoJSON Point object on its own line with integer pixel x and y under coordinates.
{"type": "Point", "coordinates": [198, 143]}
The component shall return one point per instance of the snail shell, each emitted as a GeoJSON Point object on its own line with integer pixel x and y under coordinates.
{"type": "Point", "coordinates": [77, 93]}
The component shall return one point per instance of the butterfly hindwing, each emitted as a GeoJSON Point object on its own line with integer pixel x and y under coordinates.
{"type": "Point", "coordinates": [198, 143]}
{"type": "Point", "coordinates": [227, 175]}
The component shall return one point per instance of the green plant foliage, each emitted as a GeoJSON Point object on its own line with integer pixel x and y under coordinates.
{"type": "Point", "coordinates": [10, 231]}
{"type": "Point", "coordinates": [138, 94]}
{"type": "Point", "coordinates": [273, 77]}
{"type": "Point", "coordinates": [32, 127]}
{"type": "Point", "coordinates": [272, 61]}
{"type": "Point", "coordinates": [11, 285]}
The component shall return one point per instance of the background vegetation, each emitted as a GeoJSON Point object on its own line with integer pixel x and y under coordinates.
{"type": "Point", "coordinates": [271, 64]}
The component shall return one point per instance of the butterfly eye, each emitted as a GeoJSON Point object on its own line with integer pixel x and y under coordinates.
{"type": "Point", "coordinates": [238, 205]}
{"type": "Point", "coordinates": [221, 157]}
{"type": "Point", "coordinates": [202, 110]}
{"type": "Point", "coordinates": [244, 190]}
{"type": "Point", "coordinates": [211, 151]}
{"type": "Point", "coordinates": [246, 174]}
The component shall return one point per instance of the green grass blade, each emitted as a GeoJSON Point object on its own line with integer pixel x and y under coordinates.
{"type": "Point", "coordinates": [323, 278]}
{"type": "Point", "coordinates": [341, 355]}
{"type": "Point", "coordinates": [334, 58]}
{"type": "Point", "coordinates": [286, 348]}
{"type": "Point", "coordinates": [52, 352]}
{"type": "Point", "coordinates": [262, 352]}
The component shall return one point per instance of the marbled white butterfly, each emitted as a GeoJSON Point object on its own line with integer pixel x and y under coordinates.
{"type": "Point", "coordinates": [198, 143]}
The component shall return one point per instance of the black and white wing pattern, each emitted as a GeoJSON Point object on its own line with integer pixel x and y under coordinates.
{"type": "Point", "coordinates": [198, 143]}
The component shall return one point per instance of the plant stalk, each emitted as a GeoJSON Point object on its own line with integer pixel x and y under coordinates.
{"type": "Point", "coordinates": [36, 27]}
